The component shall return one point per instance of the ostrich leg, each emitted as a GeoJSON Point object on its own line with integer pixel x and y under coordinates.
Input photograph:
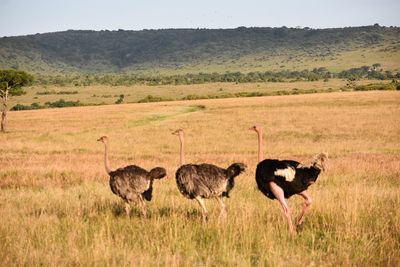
{"type": "Point", "coordinates": [307, 204]}
{"type": "Point", "coordinates": [203, 206]}
{"type": "Point", "coordinates": [143, 206]}
{"type": "Point", "coordinates": [223, 207]}
{"type": "Point", "coordinates": [128, 209]}
{"type": "Point", "coordinates": [280, 196]}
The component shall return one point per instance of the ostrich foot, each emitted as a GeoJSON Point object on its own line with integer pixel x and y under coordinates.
{"type": "Point", "coordinates": [299, 227]}
{"type": "Point", "coordinates": [127, 210]}
{"type": "Point", "coordinates": [223, 216]}
{"type": "Point", "coordinates": [205, 218]}
{"type": "Point", "coordinates": [292, 232]}
{"type": "Point", "coordinates": [144, 214]}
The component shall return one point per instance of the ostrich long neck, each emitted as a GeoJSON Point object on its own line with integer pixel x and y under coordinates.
{"type": "Point", "coordinates": [182, 154]}
{"type": "Point", "coordinates": [260, 145]}
{"type": "Point", "coordinates": [106, 162]}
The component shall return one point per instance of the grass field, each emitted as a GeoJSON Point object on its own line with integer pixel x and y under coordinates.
{"type": "Point", "coordinates": [56, 207]}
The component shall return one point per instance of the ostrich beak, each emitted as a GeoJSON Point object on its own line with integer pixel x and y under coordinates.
{"type": "Point", "coordinates": [175, 132]}
{"type": "Point", "coordinates": [99, 139]}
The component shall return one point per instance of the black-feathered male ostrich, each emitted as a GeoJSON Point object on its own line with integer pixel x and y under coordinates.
{"type": "Point", "coordinates": [204, 181]}
{"type": "Point", "coordinates": [281, 179]}
{"type": "Point", "coordinates": [132, 183]}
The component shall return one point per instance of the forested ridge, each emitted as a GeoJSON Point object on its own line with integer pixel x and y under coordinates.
{"type": "Point", "coordinates": [143, 51]}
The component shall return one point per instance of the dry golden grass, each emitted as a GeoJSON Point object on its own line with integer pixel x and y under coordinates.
{"type": "Point", "coordinates": [56, 207]}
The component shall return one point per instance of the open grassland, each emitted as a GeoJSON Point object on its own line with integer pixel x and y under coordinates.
{"type": "Point", "coordinates": [56, 207]}
{"type": "Point", "coordinates": [101, 94]}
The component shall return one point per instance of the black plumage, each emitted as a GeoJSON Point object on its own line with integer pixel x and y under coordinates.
{"type": "Point", "coordinates": [281, 179]}
{"type": "Point", "coordinates": [132, 183]}
{"type": "Point", "coordinates": [302, 176]}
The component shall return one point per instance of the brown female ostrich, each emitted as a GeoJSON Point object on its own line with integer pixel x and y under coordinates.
{"type": "Point", "coordinates": [281, 179]}
{"type": "Point", "coordinates": [205, 181]}
{"type": "Point", "coordinates": [131, 183]}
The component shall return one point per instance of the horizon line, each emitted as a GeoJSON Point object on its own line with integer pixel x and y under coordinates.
{"type": "Point", "coordinates": [205, 28]}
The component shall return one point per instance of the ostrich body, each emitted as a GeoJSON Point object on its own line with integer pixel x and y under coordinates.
{"type": "Point", "coordinates": [281, 179]}
{"type": "Point", "coordinates": [204, 181]}
{"type": "Point", "coordinates": [290, 175]}
{"type": "Point", "coordinates": [131, 183]}
{"type": "Point", "coordinates": [207, 180]}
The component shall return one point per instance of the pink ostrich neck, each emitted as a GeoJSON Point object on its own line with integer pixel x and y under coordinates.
{"type": "Point", "coordinates": [260, 145]}
{"type": "Point", "coordinates": [182, 154]}
{"type": "Point", "coordinates": [106, 162]}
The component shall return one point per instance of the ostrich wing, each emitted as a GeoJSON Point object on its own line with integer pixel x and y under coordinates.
{"type": "Point", "coordinates": [130, 179]}
{"type": "Point", "coordinates": [204, 180]}
{"type": "Point", "coordinates": [212, 177]}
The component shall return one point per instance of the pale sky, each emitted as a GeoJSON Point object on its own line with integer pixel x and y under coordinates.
{"type": "Point", "coordinates": [21, 17]}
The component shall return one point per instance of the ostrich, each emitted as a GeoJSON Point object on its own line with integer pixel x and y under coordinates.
{"type": "Point", "coordinates": [281, 179]}
{"type": "Point", "coordinates": [205, 181]}
{"type": "Point", "coordinates": [132, 183]}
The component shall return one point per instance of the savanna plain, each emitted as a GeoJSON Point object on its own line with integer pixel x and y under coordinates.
{"type": "Point", "coordinates": [56, 207]}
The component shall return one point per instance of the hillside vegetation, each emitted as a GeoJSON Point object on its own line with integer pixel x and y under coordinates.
{"type": "Point", "coordinates": [179, 51]}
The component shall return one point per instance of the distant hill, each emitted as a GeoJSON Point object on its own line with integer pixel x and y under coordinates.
{"type": "Point", "coordinates": [174, 51]}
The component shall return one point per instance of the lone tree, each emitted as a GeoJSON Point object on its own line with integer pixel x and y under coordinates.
{"type": "Point", "coordinates": [11, 83]}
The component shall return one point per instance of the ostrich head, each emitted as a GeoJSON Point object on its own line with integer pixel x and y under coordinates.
{"type": "Point", "coordinates": [103, 139]}
{"type": "Point", "coordinates": [320, 161]}
{"type": "Point", "coordinates": [235, 169]}
{"type": "Point", "coordinates": [256, 128]}
{"type": "Point", "coordinates": [178, 132]}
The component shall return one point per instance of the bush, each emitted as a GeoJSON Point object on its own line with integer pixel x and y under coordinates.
{"type": "Point", "coordinates": [26, 107]}
{"type": "Point", "coordinates": [248, 94]}
{"type": "Point", "coordinates": [194, 97]}
{"type": "Point", "coordinates": [53, 92]}
{"type": "Point", "coordinates": [120, 100]}
{"type": "Point", "coordinates": [375, 86]}
{"type": "Point", "coordinates": [62, 104]}
{"type": "Point", "coordinates": [151, 98]}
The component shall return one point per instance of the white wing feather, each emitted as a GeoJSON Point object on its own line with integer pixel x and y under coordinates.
{"type": "Point", "coordinates": [288, 173]}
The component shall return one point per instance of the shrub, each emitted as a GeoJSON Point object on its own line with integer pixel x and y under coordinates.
{"type": "Point", "coordinates": [53, 92]}
{"type": "Point", "coordinates": [120, 100]}
{"type": "Point", "coordinates": [62, 104]}
{"type": "Point", "coordinates": [151, 98]}
{"type": "Point", "coordinates": [375, 86]}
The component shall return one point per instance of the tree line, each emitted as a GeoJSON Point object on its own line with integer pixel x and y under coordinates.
{"type": "Point", "coordinates": [322, 73]}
